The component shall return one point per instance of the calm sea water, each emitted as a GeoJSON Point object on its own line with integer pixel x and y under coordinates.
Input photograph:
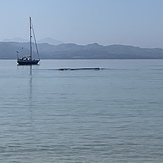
{"type": "Point", "coordinates": [114, 115]}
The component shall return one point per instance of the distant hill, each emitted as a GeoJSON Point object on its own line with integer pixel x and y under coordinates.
{"type": "Point", "coordinates": [73, 51]}
{"type": "Point", "coordinates": [50, 41]}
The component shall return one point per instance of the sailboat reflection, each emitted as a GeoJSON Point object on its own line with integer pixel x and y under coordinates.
{"type": "Point", "coordinates": [30, 107]}
{"type": "Point", "coordinates": [30, 86]}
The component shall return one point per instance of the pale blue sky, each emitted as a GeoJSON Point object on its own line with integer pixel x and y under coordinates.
{"type": "Point", "coordinates": [128, 22]}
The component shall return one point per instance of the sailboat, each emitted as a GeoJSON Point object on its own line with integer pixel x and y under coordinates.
{"type": "Point", "coordinates": [29, 60]}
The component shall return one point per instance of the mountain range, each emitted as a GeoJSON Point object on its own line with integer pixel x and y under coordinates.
{"type": "Point", "coordinates": [74, 51]}
{"type": "Point", "coordinates": [48, 40]}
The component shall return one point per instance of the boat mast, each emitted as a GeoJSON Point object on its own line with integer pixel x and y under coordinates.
{"type": "Point", "coordinates": [30, 34]}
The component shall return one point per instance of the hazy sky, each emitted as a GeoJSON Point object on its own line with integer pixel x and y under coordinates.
{"type": "Point", "coordinates": [128, 22]}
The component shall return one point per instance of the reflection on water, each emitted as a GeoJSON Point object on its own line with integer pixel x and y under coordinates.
{"type": "Point", "coordinates": [30, 99]}
{"type": "Point", "coordinates": [30, 84]}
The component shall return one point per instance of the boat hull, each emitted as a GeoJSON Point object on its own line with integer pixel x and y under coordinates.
{"type": "Point", "coordinates": [28, 62]}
